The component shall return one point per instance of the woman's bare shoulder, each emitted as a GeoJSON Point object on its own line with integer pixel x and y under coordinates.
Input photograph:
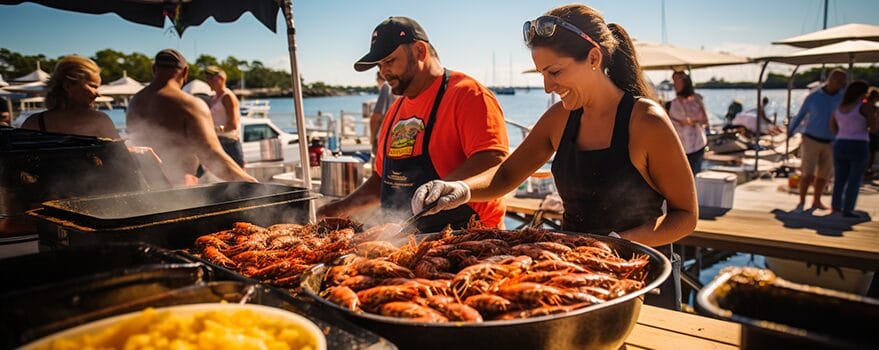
{"type": "Point", "coordinates": [650, 123]}
{"type": "Point", "coordinates": [649, 113]}
{"type": "Point", "coordinates": [31, 122]}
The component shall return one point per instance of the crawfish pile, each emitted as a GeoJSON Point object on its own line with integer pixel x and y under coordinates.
{"type": "Point", "coordinates": [483, 274]}
{"type": "Point", "coordinates": [280, 253]}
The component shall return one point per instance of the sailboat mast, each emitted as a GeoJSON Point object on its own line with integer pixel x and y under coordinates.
{"type": "Point", "coordinates": [493, 70]}
{"type": "Point", "coordinates": [664, 31]}
{"type": "Point", "coordinates": [511, 70]}
{"type": "Point", "coordinates": [825, 13]}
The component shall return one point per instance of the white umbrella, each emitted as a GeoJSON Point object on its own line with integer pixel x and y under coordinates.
{"type": "Point", "coordinates": [37, 75]}
{"type": "Point", "coordinates": [197, 86]}
{"type": "Point", "coordinates": [663, 56]}
{"type": "Point", "coordinates": [121, 86]}
{"type": "Point", "coordinates": [849, 51]}
{"type": "Point", "coordinates": [851, 31]}
{"type": "Point", "coordinates": [32, 88]}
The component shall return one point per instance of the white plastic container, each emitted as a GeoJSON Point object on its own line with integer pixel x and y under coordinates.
{"type": "Point", "coordinates": [715, 189]}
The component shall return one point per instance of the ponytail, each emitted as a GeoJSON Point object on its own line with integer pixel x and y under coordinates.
{"type": "Point", "coordinates": [623, 68]}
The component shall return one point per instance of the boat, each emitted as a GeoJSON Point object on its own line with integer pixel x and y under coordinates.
{"type": "Point", "coordinates": [255, 108]}
{"type": "Point", "coordinates": [503, 90]}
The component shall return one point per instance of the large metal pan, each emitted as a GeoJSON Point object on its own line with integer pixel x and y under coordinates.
{"type": "Point", "coordinates": [138, 208]}
{"type": "Point", "coordinates": [777, 314]}
{"type": "Point", "coordinates": [600, 326]}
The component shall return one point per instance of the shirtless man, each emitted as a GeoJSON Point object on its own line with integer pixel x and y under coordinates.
{"type": "Point", "coordinates": [178, 126]}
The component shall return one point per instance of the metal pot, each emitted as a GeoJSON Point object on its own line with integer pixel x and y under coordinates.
{"type": "Point", "coordinates": [599, 326]}
{"type": "Point", "coordinates": [271, 149]}
{"type": "Point", "coordinates": [340, 175]}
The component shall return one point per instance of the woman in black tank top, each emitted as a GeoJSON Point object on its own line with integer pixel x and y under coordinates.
{"type": "Point", "coordinates": [617, 156]}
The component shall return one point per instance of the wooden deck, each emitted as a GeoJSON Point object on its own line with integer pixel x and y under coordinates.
{"type": "Point", "coordinates": [659, 328]}
{"type": "Point", "coordinates": [764, 221]}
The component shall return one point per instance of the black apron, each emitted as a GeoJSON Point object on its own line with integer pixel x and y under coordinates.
{"type": "Point", "coordinates": [41, 119]}
{"type": "Point", "coordinates": [602, 191]}
{"type": "Point", "coordinates": [401, 177]}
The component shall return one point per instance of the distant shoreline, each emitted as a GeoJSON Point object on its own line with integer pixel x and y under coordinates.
{"type": "Point", "coordinates": [329, 92]}
{"type": "Point", "coordinates": [279, 92]}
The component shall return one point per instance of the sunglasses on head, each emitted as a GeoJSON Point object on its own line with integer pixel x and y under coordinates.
{"type": "Point", "coordinates": [545, 26]}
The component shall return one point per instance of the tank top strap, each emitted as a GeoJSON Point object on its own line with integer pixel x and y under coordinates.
{"type": "Point", "coordinates": [621, 123]}
{"type": "Point", "coordinates": [41, 119]}
{"type": "Point", "coordinates": [569, 135]}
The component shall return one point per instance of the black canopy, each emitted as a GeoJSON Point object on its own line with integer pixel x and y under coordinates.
{"type": "Point", "coordinates": [183, 13]}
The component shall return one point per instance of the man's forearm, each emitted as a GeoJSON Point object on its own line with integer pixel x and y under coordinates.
{"type": "Point", "coordinates": [476, 164]}
{"type": "Point", "coordinates": [366, 196]}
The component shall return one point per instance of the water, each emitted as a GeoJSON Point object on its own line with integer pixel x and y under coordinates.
{"type": "Point", "coordinates": [525, 107]}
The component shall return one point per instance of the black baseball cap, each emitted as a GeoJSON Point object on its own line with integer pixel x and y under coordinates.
{"type": "Point", "coordinates": [170, 58]}
{"type": "Point", "coordinates": [387, 36]}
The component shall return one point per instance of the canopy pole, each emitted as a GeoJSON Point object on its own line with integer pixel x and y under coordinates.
{"type": "Point", "coordinates": [851, 67]}
{"type": "Point", "coordinates": [287, 7]}
{"type": "Point", "coordinates": [759, 116]}
{"type": "Point", "coordinates": [790, 86]}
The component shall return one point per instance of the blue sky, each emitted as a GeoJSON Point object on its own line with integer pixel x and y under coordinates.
{"type": "Point", "coordinates": [332, 34]}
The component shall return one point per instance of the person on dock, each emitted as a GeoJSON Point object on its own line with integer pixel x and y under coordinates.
{"type": "Point", "coordinates": [873, 100]}
{"type": "Point", "coordinates": [225, 113]}
{"type": "Point", "coordinates": [5, 112]}
{"type": "Point", "coordinates": [70, 98]}
{"type": "Point", "coordinates": [617, 157]}
{"type": "Point", "coordinates": [445, 125]}
{"type": "Point", "coordinates": [851, 122]}
{"type": "Point", "coordinates": [687, 113]}
{"type": "Point", "coordinates": [177, 125]}
{"type": "Point", "coordinates": [382, 103]}
{"type": "Point", "coordinates": [817, 150]}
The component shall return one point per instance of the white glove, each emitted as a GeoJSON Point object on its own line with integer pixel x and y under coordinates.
{"type": "Point", "coordinates": [446, 194]}
{"type": "Point", "coordinates": [552, 203]}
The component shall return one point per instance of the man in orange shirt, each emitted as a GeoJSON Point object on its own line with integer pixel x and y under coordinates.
{"type": "Point", "coordinates": [445, 126]}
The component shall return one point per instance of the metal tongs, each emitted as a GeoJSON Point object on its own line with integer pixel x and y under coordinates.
{"type": "Point", "coordinates": [407, 224]}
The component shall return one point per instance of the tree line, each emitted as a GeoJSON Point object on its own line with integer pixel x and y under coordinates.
{"type": "Point", "coordinates": [138, 66]}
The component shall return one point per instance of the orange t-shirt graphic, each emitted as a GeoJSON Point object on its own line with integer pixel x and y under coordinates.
{"type": "Point", "coordinates": [469, 120]}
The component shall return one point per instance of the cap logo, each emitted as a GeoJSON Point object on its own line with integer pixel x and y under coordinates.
{"type": "Point", "coordinates": [402, 33]}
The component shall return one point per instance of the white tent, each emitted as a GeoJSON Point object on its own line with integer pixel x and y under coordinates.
{"type": "Point", "coordinates": [121, 86]}
{"type": "Point", "coordinates": [197, 86]}
{"type": "Point", "coordinates": [849, 51]}
{"type": "Point", "coordinates": [30, 88]}
{"type": "Point", "coordinates": [37, 75]}
{"type": "Point", "coordinates": [851, 31]}
{"type": "Point", "coordinates": [663, 56]}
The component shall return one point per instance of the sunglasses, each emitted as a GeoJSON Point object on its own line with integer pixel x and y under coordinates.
{"type": "Point", "coordinates": [545, 26]}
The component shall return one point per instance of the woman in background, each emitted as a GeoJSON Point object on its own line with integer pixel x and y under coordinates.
{"type": "Point", "coordinates": [72, 91]}
{"type": "Point", "coordinates": [851, 122]}
{"type": "Point", "coordinates": [687, 113]}
{"type": "Point", "coordinates": [225, 112]}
